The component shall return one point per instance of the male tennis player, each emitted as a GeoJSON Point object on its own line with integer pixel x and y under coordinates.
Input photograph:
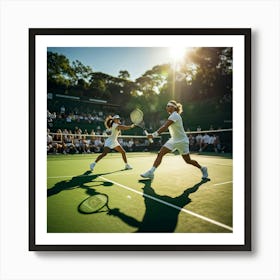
{"type": "Point", "coordinates": [114, 124]}
{"type": "Point", "coordinates": [178, 141]}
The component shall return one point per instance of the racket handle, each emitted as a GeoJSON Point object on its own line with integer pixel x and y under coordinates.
{"type": "Point", "coordinates": [150, 139]}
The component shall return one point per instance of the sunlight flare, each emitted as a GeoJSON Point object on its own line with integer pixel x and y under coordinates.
{"type": "Point", "coordinates": [177, 53]}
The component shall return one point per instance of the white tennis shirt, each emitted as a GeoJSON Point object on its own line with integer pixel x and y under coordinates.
{"type": "Point", "coordinates": [114, 132]}
{"type": "Point", "coordinates": [176, 129]}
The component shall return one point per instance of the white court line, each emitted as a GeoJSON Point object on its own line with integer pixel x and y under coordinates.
{"type": "Point", "coordinates": [159, 200]}
{"type": "Point", "coordinates": [222, 164]}
{"type": "Point", "coordinates": [224, 183]}
{"type": "Point", "coordinates": [171, 205]}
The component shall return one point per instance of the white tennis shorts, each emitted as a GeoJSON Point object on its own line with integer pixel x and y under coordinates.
{"type": "Point", "coordinates": [182, 146]}
{"type": "Point", "coordinates": [111, 143]}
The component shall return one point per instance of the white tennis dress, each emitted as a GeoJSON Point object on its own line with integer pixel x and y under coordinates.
{"type": "Point", "coordinates": [112, 142]}
{"type": "Point", "coordinates": [179, 140]}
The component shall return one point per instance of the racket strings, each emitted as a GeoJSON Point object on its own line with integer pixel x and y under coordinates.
{"type": "Point", "coordinates": [136, 116]}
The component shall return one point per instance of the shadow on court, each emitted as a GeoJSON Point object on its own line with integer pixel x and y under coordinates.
{"type": "Point", "coordinates": [160, 214]}
{"type": "Point", "coordinates": [78, 182]}
{"type": "Point", "coordinates": [161, 211]}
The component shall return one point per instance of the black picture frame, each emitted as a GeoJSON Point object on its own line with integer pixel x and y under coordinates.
{"type": "Point", "coordinates": [244, 33]}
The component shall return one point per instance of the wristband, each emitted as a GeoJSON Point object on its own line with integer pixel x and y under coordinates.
{"type": "Point", "coordinates": [155, 134]}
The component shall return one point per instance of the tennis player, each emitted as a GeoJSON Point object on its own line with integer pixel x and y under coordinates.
{"type": "Point", "coordinates": [178, 141]}
{"type": "Point", "coordinates": [114, 124]}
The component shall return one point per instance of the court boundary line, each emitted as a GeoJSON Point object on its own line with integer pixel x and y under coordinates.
{"type": "Point", "coordinates": [170, 205]}
{"type": "Point", "coordinates": [160, 200]}
{"type": "Point", "coordinates": [223, 183]}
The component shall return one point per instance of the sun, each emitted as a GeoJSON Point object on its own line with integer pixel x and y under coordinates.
{"type": "Point", "coordinates": [177, 53]}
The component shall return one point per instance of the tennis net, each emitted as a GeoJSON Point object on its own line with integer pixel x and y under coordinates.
{"type": "Point", "coordinates": [62, 142]}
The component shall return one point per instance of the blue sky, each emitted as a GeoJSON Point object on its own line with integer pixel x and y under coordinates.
{"type": "Point", "coordinates": [111, 60]}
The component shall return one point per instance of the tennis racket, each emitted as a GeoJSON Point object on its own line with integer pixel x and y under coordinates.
{"type": "Point", "coordinates": [94, 204]}
{"type": "Point", "coordinates": [137, 116]}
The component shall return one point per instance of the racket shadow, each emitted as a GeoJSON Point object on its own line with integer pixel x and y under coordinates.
{"type": "Point", "coordinates": [77, 182]}
{"type": "Point", "coordinates": [99, 203]}
{"type": "Point", "coordinates": [96, 202]}
{"type": "Point", "coordinates": [159, 215]}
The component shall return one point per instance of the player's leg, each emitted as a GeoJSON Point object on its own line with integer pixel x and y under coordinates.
{"type": "Point", "coordinates": [150, 173]}
{"type": "Point", "coordinates": [188, 160]}
{"type": "Point", "coordinates": [184, 150]}
{"type": "Point", "coordinates": [106, 150]}
{"type": "Point", "coordinates": [122, 151]}
{"type": "Point", "coordinates": [163, 151]}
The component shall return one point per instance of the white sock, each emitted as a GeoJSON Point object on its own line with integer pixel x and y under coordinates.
{"type": "Point", "coordinates": [152, 169]}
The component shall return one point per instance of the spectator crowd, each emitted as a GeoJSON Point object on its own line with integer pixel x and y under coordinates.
{"type": "Point", "coordinates": [75, 141]}
{"type": "Point", "coordinates": [66, 142]}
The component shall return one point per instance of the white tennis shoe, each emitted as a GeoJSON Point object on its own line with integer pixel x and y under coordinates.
{"type": "Point", "coordinates": [149, 175]}
{"type": "Point", "coordinates": [92, 165]}
{"type": "Point", "coordinates": [128, 167]}
{"type": "Point", "coordinates": [204, 172]}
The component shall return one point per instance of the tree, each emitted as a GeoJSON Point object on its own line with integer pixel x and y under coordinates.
{"type": "Point", "coordinates": [81, 72]}
{"type": "Point", "coordinates": [207, 73]}
{"type": "Point", "coordinates": [124, 74]}
{"type": "Point", "coordinates": [201, 81]}
{"type": "Point", "coordinates": [59, 70]}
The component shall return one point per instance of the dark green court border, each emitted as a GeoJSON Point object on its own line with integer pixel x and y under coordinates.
{"type": "Point", "coordinates": [246, 32]}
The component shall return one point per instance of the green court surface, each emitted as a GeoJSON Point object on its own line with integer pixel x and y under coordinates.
{"type": "Point", "coordinates": [177, 200]}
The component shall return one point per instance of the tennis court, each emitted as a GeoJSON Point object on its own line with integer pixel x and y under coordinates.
{"type": "Point", "coordinates": [177, 200]}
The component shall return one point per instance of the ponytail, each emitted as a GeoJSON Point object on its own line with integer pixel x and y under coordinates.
{"type": "Point", "coordinates": [109, 122]}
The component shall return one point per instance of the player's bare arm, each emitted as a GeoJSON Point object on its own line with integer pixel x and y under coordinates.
{"type": "Point", "coordinates": [125, 127]}
{"type": "Point", "coordinates": [161, 129]}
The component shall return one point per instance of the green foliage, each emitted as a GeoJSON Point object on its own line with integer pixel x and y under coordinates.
{"type": "Point", "coordinates": [59, 69]}
{"type": "Point", "coordinates": [203, 76]}
{"type": "Point", "coordinates": [124, 74]}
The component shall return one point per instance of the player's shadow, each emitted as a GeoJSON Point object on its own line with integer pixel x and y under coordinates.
{"type": "Point", "coordinates": [162, 211]}
{"type": "Point", "coordinates": [78, 182]}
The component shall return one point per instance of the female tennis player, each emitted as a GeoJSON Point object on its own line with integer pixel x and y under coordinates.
{"type": "Point", "coordinates": [178, 141]}
{"type": "Point", "coordinates": [114, 124]}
